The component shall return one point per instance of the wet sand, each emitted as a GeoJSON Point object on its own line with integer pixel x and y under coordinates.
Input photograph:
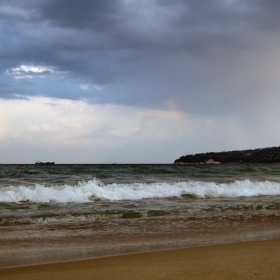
{"type": "Point", "coordinates": [42, 244]}
{"type": "Point", "coordinates": [251, 260]}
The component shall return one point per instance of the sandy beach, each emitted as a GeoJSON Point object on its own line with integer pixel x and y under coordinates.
{"type": "Point", "coordinates": [251, 260]}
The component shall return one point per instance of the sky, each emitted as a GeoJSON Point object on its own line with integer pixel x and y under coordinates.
{"type": "Point", "coordinates": [127, 81]}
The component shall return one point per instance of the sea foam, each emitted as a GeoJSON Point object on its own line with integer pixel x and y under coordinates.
{"type": "Point", "coordinates": [95, 190]}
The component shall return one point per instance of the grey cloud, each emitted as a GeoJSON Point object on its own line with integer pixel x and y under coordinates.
{"type": "Point", "coordinates": [98, 15]}
{"type": "Point", "coordinates": [195, 51]}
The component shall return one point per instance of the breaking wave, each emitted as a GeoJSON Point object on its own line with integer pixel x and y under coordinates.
{"type": "Point", "coordinates": [96, 190]}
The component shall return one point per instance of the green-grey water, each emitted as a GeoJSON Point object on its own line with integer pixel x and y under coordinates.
{"type": "Point", "coordinates": [64, 195]}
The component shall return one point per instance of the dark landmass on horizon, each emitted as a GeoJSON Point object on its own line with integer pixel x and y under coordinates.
{"type": "Point", "coordinates": [262, 155]}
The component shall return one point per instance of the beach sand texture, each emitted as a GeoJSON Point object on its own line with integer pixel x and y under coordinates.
{"type": "Point", "coordinates": [252, 260]}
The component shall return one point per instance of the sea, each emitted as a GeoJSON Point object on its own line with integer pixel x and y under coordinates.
{"type": "Point", "coordinates": [186, 204]}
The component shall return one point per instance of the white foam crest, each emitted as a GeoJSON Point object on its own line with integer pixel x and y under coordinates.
{"type": "Point", "coordinates": [244, 188]}
{"type": "Point", "coordinates": [94, 189]}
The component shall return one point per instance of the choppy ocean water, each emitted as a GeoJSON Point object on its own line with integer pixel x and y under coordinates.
{"type": "Point", "coordinates": [67, 212]}
{"type": "Point", "coordinates": [66, 194]}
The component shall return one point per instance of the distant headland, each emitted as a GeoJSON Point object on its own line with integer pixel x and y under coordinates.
{"type": "Point", "coordinates": [262, 155]}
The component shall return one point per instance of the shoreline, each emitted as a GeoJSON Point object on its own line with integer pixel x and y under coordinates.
{"type": "Point", "coordinates": [249, 260]}
{"type": "Point", "coordinates": [45, 252]}
{"type": "Point", "coordinates": [83, 241]}
{"type": "Point", "coordinates": [234, 248]}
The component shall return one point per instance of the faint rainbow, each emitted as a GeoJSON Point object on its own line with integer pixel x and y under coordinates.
{"type": "Point", "coordinates": [176, 113]}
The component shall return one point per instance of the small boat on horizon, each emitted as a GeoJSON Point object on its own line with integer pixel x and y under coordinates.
{"type": "Point", "coordinates": [45, 163]}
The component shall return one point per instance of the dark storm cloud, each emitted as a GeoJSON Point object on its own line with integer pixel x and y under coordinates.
{"type": "Point", "coordinates": [98, 15]}
{"type": "Point", "coordinates": [186, 49]}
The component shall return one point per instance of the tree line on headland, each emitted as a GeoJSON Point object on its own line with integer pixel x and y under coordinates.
{"type": "Point", "coordinates": [262, 155]}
